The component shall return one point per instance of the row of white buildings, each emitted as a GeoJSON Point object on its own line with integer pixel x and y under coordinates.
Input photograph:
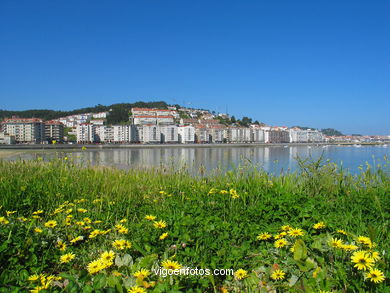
{"type": "Point", "coordinates": [170, 133]}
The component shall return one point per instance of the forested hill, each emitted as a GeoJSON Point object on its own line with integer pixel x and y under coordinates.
{"type": "Point", "coordinates": [118, 113]}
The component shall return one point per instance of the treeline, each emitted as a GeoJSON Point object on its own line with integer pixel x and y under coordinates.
{"type": "Point", "coordinates": [118, 112]}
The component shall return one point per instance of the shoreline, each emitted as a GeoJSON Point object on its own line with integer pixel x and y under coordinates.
{"type": "Point", "coordinates": [176, 145]}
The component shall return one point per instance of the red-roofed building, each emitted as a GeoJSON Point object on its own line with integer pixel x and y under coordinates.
{"type": "Point", "coordinates": [25, 130]}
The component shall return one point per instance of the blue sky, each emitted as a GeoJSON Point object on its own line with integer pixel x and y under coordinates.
{"type": "Point", "coordinates": [311, 63]}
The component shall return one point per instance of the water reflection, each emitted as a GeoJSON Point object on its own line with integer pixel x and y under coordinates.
{"type": "Point", "coordinates": [274, 159]}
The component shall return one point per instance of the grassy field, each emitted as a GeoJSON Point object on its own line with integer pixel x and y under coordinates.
{"type": "Point", "coordinates": [64, 228]}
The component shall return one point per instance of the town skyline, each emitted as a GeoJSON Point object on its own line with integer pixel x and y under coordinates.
{"type": "Point", "coordinates": [190, 105]}
{"type": "Point", "coordinates": [289, 63]}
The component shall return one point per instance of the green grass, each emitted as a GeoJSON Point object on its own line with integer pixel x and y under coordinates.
{"type": "Point", "coordinates": [206, 229]}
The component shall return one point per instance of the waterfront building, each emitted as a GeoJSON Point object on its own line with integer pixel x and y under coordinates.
{"type": "Point", "coordinates": [54, 130]}
{"type": "Point", "coordinates": [257, 134]}
{"type": "Point", "coordinates": [148, 133]}
{"type": "Point", "coordinates": [216, 133]}
{"type": "Point", "coordinates": [276, 135]}
{"type": "Point", "coordinates": [124, 133]}
{"type": "Point", "coordinates": [25, 130]}
{"type": "Point", "coordinates": [186, 134]}
{"type": "Point", "coordinates": [201, 134]}
{"type": "Point", "coordinates": [6, 138]}
{"type": "Point", "coordinates": [169, 133]}
{"type": "Point", "coordinates": [85, 133]}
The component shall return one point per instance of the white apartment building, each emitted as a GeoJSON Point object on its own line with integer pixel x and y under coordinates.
{"type": "Point", "coordinates": [186, 134]}
{"type": "Point", "coordinates": [315, 136]}
{"type": "Point", "coordinates": [169, 134]}
{"type": "Point", "coordinates": [298, 135]}
{"type": "Point", "coordinates": [85, 133]}
{"type": "Point", "coordinates": [124, 133]}
{"type": "Point", "coordinates": [216, 133]}
{"type": "Point", "coordinates": [103, 133]}
{"type": "Point", "coordinates": [25, 130]}
{"type": "Point", "coordinates": [257, 134]}
{"type": "Point", "coordinates": [101, 115]}
{"type": "Point", "coordinates": [148, 133]}
{"type": "Point", "coordinates": [6, 138]}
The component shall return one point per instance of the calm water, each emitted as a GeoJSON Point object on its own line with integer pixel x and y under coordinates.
{"type": "Point", "coordinates": [273, 159]}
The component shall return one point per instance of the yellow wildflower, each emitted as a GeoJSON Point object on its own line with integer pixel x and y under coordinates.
{"type": "Point", "coordinates": [170, 265]}
{"type": "Point", "coordinates": [159, 224]}
{"type": "Point", "coordinates": [241, 274]}
{"type": "Point", "coordinates": [150, 217]}
{"type": "Point", "coordinates": [67, 257]}
{"type": "Point", "coordinates": [278, 275]}
{"type": "Point", "coordinates": [51, 224]}
{"type": "Point", "coordinates": [141, 274]}
{"type": "Point", "coordinates": [376, 276]}
{"type": "Point", "coordinates": [362, 260]}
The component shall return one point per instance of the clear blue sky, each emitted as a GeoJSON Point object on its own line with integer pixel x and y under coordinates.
{"type": "Point", "coordinates": [314, 63]}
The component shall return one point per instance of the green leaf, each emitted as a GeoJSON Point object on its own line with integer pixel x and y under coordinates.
{"type": "Point", "coordinates": [99, 281]}
{"type": "Point", "coordinates": [125, 260]}
{"type": "Point", "coordinates": [300, 250]}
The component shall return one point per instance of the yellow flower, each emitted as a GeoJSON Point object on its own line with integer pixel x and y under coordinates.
{"type": "Point", "coordinates": [94, 233]}
{"type": "Point", "coordinates": [376, 276]}
{"type": "Point", "coordinates": [80, 223]}
{"type": "Point", "coordinates": [141, 274]}
{"type": "Point", "coordinates": [234, 193]}
{"type": "Point", "coordinates": [159, 224]}
{"type": "Point", "coordinates": [123, 221]}
{"type": "Point", "coordinates": [365, 241]}
{"type": "Point", "coordinates": [280, 243]}
{"type": "Point", "coordinates": [375, 255]}
{"type": "Point", "coordinates": [37, 230]}
{"type": "Point", "coordinates": [22, 219]}
{"type": "Point", "coordinates": [336, 243]}
{"type": "Point", "coordinates": [51, 224]}
{"type": "Point", "coordinates": [170, 265]}
{"type": "Point", "coordinates": [341, 232]}
{"type": "Point", "coordinates": [82, 210]}
{"type": "Point", "coordinates": [136, 289]}
{"type": "Point", "coordinates": [33, 278]}
{"type": "Point", "coordinates": [349, 247]}
{"type": "Point", "coordinates": [122, 229]}
{"type": "Point", "coordinates": [223, 191]}
{"type": "Point", "coordinates": [87, 220]}
{"type": "Point", "coordinates": [362, 260]}
{"type": "Point", "coordinates": [78, 238]}
{"type": "Point", "coordinates": [108, 256]}
{"type": "Point", "coordinates": [95, 266]}
{"type": "Point", "coordinates": [10, 213]}
{"type": "Point", "coordinates": [295, 232]}
{"type": "Point", "coordinates": [319, 225]}
{"type": "Point", "coordinates": [278, 275]}
{"type": "Point", "coordinates": [241, 274]}
{"type": "Point", "coordinates": [264, 236]}
{"type": "Point", "coordinates": [61, 245]}
{"type": "Point", "coordinates": [121, 244]}
{"type": "Point", "coordinates": [286, 228]}
{"type": "Point", "coordinates": [150, 217]}
{"type": "Point", "coordinates": [163, 236]}
{"type": "Point", "coordinates": [67, 257]}
{"type": "Point", "coordinates": [38, 212]}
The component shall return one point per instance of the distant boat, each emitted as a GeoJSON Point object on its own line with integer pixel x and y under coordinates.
{"type": "Point", "coordinates": [357, 145]}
